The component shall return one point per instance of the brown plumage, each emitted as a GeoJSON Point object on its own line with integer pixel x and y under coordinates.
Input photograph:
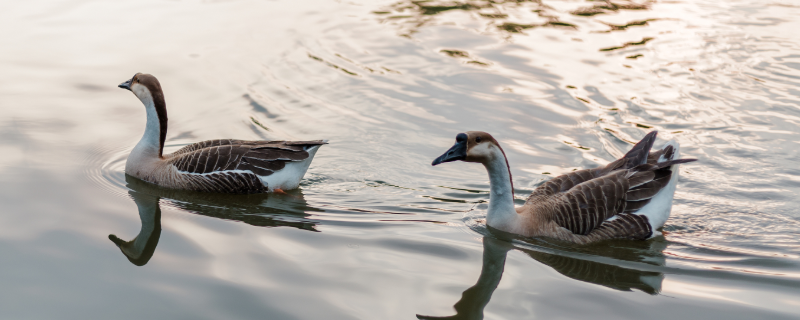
{"type": "Point", "coordinates": [222, 165]}
{"type": "Point", "coordinates": [260, 157]}
{"type": "Point", "coordinates": [609, 202]}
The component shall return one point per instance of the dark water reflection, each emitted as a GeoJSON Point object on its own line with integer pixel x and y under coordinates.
{"type": "Point", "coordinates": [495, 14]}
{"type": "Point", "coordinates": [474, 300]}
{"type": "Point", "coordinates": [141, 248]}
{"type": "Point", "coordinates": [261, 210]}
{"type": "Point", "coordinates": [561, 84]}
{"type": "Point", "coordinates": [611, 275]}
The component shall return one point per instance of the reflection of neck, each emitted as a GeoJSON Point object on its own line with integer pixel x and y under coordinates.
{"type": "Point", "coordinates": [502, 214]}
{"type": "Point", "coordinates": [475, 299]}
{"type": "Point", "coordinates": [149, 214]}
{"type": "Point", "coordinates": [141, 249]}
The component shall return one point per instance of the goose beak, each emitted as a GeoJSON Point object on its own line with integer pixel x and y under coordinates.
{"type": "Point", "coordinates": [116, 240]}
{"type": "Point", "coordinates": [457, 152]}
{"type": "Point", "coordinates": [125, 85]}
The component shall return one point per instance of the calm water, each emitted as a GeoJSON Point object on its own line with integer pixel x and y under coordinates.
{"type": "Point", "coordinates": [375, 232]}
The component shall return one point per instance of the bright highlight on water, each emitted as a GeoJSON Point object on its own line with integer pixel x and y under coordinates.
{"type": "Point", "coordinates": [369, 229]}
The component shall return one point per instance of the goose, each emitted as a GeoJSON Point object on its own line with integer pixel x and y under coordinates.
{"type": "Point", "coordinates": [221, 165]}
{"type": "Point", "coordinates": [630, 198]}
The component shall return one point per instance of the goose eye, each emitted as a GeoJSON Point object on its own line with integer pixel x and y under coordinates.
{"type": "Point", "coordinates": [478, 139]}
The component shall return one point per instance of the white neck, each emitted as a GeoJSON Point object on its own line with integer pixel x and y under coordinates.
{"type": "Point", "coordinates": [150, 144]}
{"type": "Point", "coordinates": [502, 213]}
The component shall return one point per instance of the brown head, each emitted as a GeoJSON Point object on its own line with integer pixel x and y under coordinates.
{"type": "Point", "coordinates": [147, 88]}
{"type": "Point", "coordinates": [475, 146]}
{"type": "Point", "coordinates": [472, 146]}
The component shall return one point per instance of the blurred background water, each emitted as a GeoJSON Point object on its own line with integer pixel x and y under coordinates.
{"type": "Point", "coordinates": [375, 232]}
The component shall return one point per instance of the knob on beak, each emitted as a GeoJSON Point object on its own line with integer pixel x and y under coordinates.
{"type": "Point", "coordinates": [125, 85]}
{"type": "Point", "coordinates": [457, 152]}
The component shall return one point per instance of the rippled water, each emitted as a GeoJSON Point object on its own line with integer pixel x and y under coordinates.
{"type": "Point", "coordinates": [375, 232]}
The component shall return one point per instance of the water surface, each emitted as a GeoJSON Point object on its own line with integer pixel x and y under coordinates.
{"type": "Point", "coordinates": [375, 232]}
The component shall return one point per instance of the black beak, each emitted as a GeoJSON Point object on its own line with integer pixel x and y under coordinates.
{"type": "Point", "coordinates": [116, 240]}
{"type": "Point", "coordinates": [125, 85]}
{"type": "Point", "coordinates": [457, 152]}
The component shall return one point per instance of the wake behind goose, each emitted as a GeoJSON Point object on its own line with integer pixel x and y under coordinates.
{"type": "Point", "coordinates": [630, 198]}
{"type": "Point", "coordinates": [223, 165]}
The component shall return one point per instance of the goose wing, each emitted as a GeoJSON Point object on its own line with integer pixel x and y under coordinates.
{"type": "Point", "coordinates": [603, 200]}
{"type": "Point", "coordinates": [262, 158]}
{"type": "Point", "coordinates": [589, 207]}
{"type": "Point", "coordinates": [639, 154]}
{"type": "Point", "coordinates": [585, 206]}
{"type": "Point", "coordinates": [566, 182]}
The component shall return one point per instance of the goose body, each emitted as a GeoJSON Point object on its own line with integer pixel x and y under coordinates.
{"type": "Point", "coordinates": [629, 198]}
{"type": "Point", "coordinates": [222, 165]}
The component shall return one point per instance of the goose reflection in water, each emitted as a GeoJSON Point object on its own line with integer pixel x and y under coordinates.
{"type": "Point", "coordinates": [141, 248]}
{"type": "Point", "coordinates": [474, 300]}
{"type": "Point", "coordinates": [262, 210]}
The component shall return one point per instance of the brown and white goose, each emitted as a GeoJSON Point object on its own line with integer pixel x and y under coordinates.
{"type": "Point", "coordinates": [223, 165]}
{"type": "Point", "coordinates": [629, 198]}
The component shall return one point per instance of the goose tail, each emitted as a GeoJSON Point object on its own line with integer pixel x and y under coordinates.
{"type": "Point", "coordinates": [665, 162]}
{"type": "Point", "coordinates": [639, 153]}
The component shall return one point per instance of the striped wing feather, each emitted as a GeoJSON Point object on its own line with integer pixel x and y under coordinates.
{"type": "Point", "coordinates": [259, 157]}
{"type": "Point", "coordinates": [582, 201]}
{"type": "Point", "coordinates": [565, 182]}
{"type": "Point", "coordinates": [639, 154]}
{"type": "Point", "coordinates": [237, 182]}
{"type": "Point", "coordinates": [625, 226]}
{"type": "Point", "coordinates": [584, 207]}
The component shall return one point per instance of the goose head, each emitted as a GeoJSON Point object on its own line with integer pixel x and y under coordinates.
{"type": "Point", "coordinates": [472, 146]}
{"type": "Point", "coordinates": [145, 86]}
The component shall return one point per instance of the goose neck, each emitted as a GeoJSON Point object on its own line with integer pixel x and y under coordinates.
{"type": "Point", "coordinates": [150, 145]}
{"type": "Point", "coordinates": [502, 213]}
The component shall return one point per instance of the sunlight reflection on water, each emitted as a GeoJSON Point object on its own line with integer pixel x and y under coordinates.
{"type": "Point", "coordinates": [375, 232]}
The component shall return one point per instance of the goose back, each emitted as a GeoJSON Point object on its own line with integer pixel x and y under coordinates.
{"type": "Point", "coordinates": [230, 166]}
{"type": "Point", "coordinates": [602, 203]}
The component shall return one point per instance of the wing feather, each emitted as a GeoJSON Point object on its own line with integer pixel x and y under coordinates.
{"type": "Point", "coordinates": [625, 226]}
{"type": "Point", "coordinates": [583, 201]}
{"type": "Point", "coordinates": [260, 157]}
{"type": "Point", "coordinates": [240, 182]}
{"type": "Point", "coordinates": [586, 207]}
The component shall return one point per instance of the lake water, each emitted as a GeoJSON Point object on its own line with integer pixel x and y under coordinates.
{"type": "Point", "coordinates": [375, 232]}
